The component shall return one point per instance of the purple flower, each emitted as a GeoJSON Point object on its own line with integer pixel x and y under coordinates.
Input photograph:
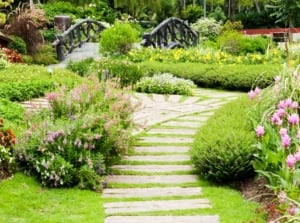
{"type": "Point", "coordinates": [290, 161]}
{"type": "Point", "coordinates": [293, 119]}
{"type": "Point", "coordinates": [257, 91]}
{"type": "Point", "coordinates": [260, 131]}
{"type": "Point", "coordinates": [283, 132]}
{"type": "Point", "coordinates": [276, 120]}
{"type": "Point", "coordinates": [285, 141]}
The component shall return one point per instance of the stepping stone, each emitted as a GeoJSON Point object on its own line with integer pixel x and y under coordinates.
{"type": "Point", "coordinates": [161, 149]}
{"type": "Point", "coordinates": [158, 98]}
{"type": "Point", "coordinates": [172, 131]}
{"type": "Point", "coordinates": [162, 219]}
{"type": "Point", "coordinates": [157, 179]}
{"type": "Point", "coordinates": [154, 139]}
{"type": "Point", "coordinates": [153, 168]}
{"type": "Point", "coordinates": [195, 118]}
{"type": "Point", "coordinates": [190, 100]}
{"type": "Point", "coordinates": [174, 98]}
{"type": "Point", "coordinates": [159, 158]}
{"type": "Point", "coordinates": [183, 124]}
{"type": "Point", "coordinates": [162, 205]}
{"type": "Point", "coordinates": [151, 192]}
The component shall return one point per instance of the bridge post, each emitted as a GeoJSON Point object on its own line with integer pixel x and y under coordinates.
{"type": "Point", "coordinates": [60, 48]}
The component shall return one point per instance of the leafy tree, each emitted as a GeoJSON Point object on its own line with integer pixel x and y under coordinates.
{"type": "Point", "coordinates": [285, 11]}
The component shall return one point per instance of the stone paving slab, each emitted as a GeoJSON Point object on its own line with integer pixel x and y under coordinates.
{"type": "Point", "coordinates": [172, 131]}
{"type": "Point", "coordinates": [190, 100]}
{"type": "Point", "coordinates": [195, 118]}
{"type": "Point", "coordinates": [183, 124]}
{"type": "Point", "coordinates": [158, 98]}
{"type": "Point", "coordinates": [161, 149]}
{"type": "Point", "coordinates": [161, 205]}
{"type": "Point", "coordinates": [164, 139]}
{"type": "Point", "coordinates": [153, 168]}
{"type": "Point", "coordinates": [151, 192]}
{"type": "Point", "coordinates": [159, 179]}
{"type": "Point", "coordinates": [174, 98]}
{"type": "Point", "coordinates": [162, 219]}
{"type": "Point", "coordinates": [158, 158]}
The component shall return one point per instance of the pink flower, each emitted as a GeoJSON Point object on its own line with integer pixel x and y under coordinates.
{"type": "Point", "coordinates": [251, 95]}
{"type": "Point", "coordinates": [290, 161]}
{"type": "Point", "coordinates": [293, 119]}
{"type": "Point", "coordinates": [257, 91]}
{"type": "Point", "coordinates": [51, 96]}
{"type": "Point", "coordinates": [280, 112]}
{"type": "Point", "coordinates": [281, 104]}
{"type": "Point", "coordinates": [288, 102]}
{"type": "Point", "coordinates": [292, 209]}
{"type": "Point", "coordinates": [283, 132]}
{"type": "Point", "coordinates": [294, 105]}
{"type": "Point", "coordinates": [276, 120]}
{"type": "Point", "coordinates": [297, 156]}
{"type": "Point", "coordinates": [285, 141]}
{"type": "Point", "coordinates": [260, 131]}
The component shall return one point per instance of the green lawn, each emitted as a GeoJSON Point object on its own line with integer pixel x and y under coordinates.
{"type": "Point", "coordinates": [24, 200]}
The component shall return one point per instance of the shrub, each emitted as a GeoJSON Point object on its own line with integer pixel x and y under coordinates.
{"type": "Point", "coordinates": [192, 13]}
{"type": "Point", "coordinates": [17, 44]}
{"type": "Point", "coordinates": [87, 130]}
{"type": "Point", "coordinates": [208, 28]}
{"type": "Point", "coordinates": [232, 26]}
{"type": "Point", "coordinates": [82, 67]}
{"type": "Point", "coordinates": [12, 56]}
{"type": "Point", "coordinates": [118, 39]}
{"type": "Point", "coordinates": [7, 141]}
{"type": "Point", "coordinates": [26, 23]}
{"type": "Point", "coordinates": [165, 84]}
{"type": "Point", "coordinates": [225, 154]}
{"type": "Point", "coordinates": [49, 35]}
{"type": "Point", "coordinates": [230, 42]}
{"type": "Point", "coordinates": [127, 72]}
{"type": "Point", "coordinates": [217, 14]}
{"type": "Point", "coordinates": [231, 77]}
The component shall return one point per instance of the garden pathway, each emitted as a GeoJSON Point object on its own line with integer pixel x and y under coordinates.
{"type": "Point", "coordinates": [155, 183]}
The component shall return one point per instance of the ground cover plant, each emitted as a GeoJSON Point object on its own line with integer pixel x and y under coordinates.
{"type": "Point", "coordinates": [20, 82]}
{"type": "Point", "coordinates": [87, 130]}
{"type": "Point", "coordinates": [165, 83]}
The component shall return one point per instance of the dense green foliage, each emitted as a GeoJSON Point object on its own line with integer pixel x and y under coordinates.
{"type": "Point", "coordinates": [232, 76]}
{"type": "Point", "coordinates": [17, 44]}
{"type": "Point", "coordinates": [165, 84]}
{"type": "Point", "coordinates": [225, 154]}
{"type": "Point", "coordinates": [127, 72]}
{"type": "Point", "coordinates": [11, 111]}
{"type": "Point", "coordinates": [118, 39]}
{"type": "Point", "coordinates": [82, 67]}
{"type": "Point", "coordinates": [22, 82]}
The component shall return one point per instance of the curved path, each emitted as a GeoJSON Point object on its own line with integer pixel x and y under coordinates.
{"type": "Point", "coordinates": [156, 182]}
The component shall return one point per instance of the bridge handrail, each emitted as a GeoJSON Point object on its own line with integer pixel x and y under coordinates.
{"type": "Point", "coordinates": [75, 36]}
{"type": "Point", "coordinates": [161, 34]}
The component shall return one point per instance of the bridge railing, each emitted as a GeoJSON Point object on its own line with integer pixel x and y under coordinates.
{"type": "Point", "coordinates": [75, 36]}
{"type": "Point", "coordinates": [171, 33]}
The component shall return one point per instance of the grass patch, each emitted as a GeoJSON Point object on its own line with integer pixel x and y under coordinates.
{"type": "Point", "coordinates": [24, 200]}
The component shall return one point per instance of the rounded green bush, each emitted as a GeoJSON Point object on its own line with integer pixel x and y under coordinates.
{"type": "Point", "coordinates": [17, 44]}
{"type": "Point", "coordinates": [224, 154]}
{"type": "Point", "coordinates": [118, 39]}
{"type": "Point", "coordinates": [165, 83]}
